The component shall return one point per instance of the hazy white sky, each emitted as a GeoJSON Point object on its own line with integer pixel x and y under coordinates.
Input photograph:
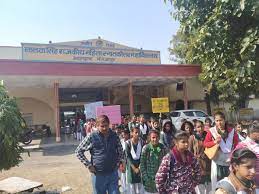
{"type": "Point", "coordinates": [136, 23]}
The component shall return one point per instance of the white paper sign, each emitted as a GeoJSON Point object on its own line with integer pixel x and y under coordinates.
{"type": "Point", "coordinates": [90, 109]}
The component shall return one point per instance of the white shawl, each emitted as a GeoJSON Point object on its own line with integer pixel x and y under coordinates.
{"type": "Point", "coordinates": [136, 155]}
{"type": "Point", "coordinates": [143, 128]}
{"type": "Point", "coordinates": [226, 146]}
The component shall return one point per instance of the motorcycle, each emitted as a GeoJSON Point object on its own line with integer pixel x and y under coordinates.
{"type": "Point", "coordinates": [26, 136]}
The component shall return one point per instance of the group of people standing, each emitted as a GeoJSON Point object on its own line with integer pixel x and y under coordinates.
{"type": "Point", "coordinates": [154, 157]}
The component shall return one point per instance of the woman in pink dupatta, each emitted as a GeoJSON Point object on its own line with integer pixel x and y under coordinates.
{"type": "Point", "coordinates": [252, 143]}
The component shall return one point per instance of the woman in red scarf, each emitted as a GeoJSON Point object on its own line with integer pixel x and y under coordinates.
{"type": "Point", "coordinates": [227, 139]}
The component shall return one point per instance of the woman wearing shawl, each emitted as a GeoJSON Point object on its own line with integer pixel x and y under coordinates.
{"type": "Point", "coordinates": [227, 139]}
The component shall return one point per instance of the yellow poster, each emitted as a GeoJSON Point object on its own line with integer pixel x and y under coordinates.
{"type": "Point", "coordinates": [246, 112]}
{"type": "Point", "coordinates": [160, 105]}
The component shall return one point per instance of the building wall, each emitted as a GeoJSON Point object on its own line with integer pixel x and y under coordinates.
{"type": "Point", "coordinates": [194, 91]}
{"type": "Point", "coordinates": [45, 95]}
{"type": "Point", "coordinates": [201, 105]}
{"type": "Point", "coordinates": [8, 52]}
{"type": "Point", "coordinates": [120, 96]}
{"type": "Point", "coordinates": [41, 112]}
{"type": "Point", "coordinates": [38, 101]}
{"type": "Point", "coordinates": [254, 103]}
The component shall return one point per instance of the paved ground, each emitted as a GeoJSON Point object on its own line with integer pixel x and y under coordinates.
{"type": "Point", "coordinates": [55, 165]}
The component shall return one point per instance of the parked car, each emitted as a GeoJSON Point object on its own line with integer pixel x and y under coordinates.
{"type": "Point", "coordinates": [189, 115]}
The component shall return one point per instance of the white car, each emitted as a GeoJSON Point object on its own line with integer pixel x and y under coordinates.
{"type": "Point", "coordinates": [189, 115]}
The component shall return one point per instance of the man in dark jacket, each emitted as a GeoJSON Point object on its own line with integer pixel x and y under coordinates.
{"type": "Point", "coordinates": [106, 156]}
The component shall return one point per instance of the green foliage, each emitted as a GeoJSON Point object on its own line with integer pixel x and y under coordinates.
{"type": "Point", "coordinates": [222, 36]}
{"type": "Point", "coordinates": [10, 128]}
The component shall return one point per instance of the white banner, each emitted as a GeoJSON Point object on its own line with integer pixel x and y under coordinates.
{"type": "Point", "coordinates": [90, 109]}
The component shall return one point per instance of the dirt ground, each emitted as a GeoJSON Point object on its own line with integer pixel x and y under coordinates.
{"type": "Point", "coordinates": [55, 167]}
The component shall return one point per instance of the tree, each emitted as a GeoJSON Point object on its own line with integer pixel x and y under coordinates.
{"type": "Point", "coordinates": [10, 128]}
{"type": "Point", "coordinates": [222, 36]}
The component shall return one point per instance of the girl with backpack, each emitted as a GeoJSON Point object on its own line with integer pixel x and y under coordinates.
{"type": "Point", "coordinates": [179, 171]}
{"type": "Point", "coordinates": [240, 180]}
{"type": "Point", "coordinates": [133, 150]}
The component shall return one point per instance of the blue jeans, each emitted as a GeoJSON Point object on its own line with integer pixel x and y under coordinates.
{"type": "Point", "coordinates": [107, 183]}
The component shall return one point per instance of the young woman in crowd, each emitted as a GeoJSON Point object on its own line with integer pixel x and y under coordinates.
{"type": "Point", "coordinates": [156, 125]}
{"type": "Point", "coordinates": [240, 180]}
{"type": "Point", "coordinates": [133, 152]}
{"type": "Point", "coordinates": [188, 127]}
{"type": "Point", "coordinates": [226, 139]}
{"type": "Point", "coordinates": [133, 123]}
{"type": "Point", "coordinates": [179, 171]}
{"type": "Point", "coordinates": [151, 157]}
{"type": "Point", "coordinates": [167, 133]}
{"type": "Point", "coordinates": [144, 129]}
{"type": "Point", "coordinates": [208, 124]}
{"type": "Point", "coordinates": [197, 148]}
{"type": "Point", "coordinates": [239, 129]}
{"type": "Point", "coordinates": [125, 136]}
{"type": "Point", "coordinates": [252, 143]}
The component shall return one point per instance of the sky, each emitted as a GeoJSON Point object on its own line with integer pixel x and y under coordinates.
{"type": "Point", "coordinates": [143, 24]}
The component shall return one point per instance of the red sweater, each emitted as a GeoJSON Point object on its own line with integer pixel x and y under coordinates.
{"type": "Point", "coordinates": [209, 141]}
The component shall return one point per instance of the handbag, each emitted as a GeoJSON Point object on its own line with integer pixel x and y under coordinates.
{"type": "Point", "coordinates": [212, 151]}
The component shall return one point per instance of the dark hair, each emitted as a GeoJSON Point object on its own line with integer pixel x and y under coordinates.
{"type": "Point", "coordinates": [179, 135]}
{"type": "Point", "coordinates": [198, 121]}
{"type": "Point", "coordinates": [188, 123]}
{"type": "Point", "coordinates": [253, 129]}
{"type": "Point", "coordinates": [238, 123]}
{"type": "Point", "coordinates": [134, 128]}
{"type": "Point", "coordinates": [153, 131]}
{"type": "Point", "coordinates": [172, 127]}
{"type": "Point", "coordinates": [208, 120]}
{"type": "Point", "coordinates": [126, 131]}
{"type": "Point", "coordinates": [221, 114]}
{"type": "Point", "coordinates": [194, 121]}
{"type": "Point", "coordinates": [102, 119]}
{"type": "Point", "coordinates": [238, 156]}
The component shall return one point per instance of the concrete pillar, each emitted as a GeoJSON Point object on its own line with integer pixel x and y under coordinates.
{"type": "Point", "coordinates": [185, 94]}
{"type": "Point", "coordinates": [110, 100]}
{"type": "Point", "coordinates": [57, 118]}
{"type": "Point", "coordinates": [131, 98]}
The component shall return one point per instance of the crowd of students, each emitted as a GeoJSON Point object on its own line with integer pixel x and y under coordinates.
{"type": "Point", "coordinates": [151, 156]}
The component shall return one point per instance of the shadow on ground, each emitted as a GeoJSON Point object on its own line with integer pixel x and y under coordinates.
{"type": "Point", "coordinates": [60, 150]}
